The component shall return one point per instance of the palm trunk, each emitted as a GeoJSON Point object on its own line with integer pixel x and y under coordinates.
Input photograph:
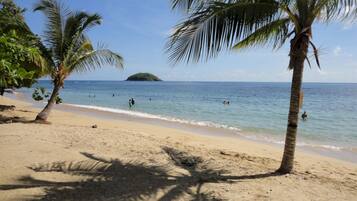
{"type": "Point", "coordinates": [298, 54]}
{"type": "Point", "coordinates": [43, 115]}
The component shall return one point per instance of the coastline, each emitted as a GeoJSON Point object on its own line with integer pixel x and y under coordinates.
{"type": "Point", "coordinates": [26, 145]}
{"type": "Point", "coordinates": [106, 113]}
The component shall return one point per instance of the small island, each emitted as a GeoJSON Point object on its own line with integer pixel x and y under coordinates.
{"type": "Point", "coordinates": [143, 77]}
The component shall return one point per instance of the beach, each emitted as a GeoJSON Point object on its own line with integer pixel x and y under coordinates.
{"type": "Point", "coordinates": [127, 160]}
{"type": "Point", "coordinates": [257, 111]}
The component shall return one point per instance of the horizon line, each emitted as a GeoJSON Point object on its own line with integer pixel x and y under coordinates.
{"type": "Point", "coordinates": [317, 82]}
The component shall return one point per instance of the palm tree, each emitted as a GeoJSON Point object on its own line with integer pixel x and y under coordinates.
{"type": "Point", "coordinates": [214, 25]}
{"type": "Point", "coordinates": [69, 48]}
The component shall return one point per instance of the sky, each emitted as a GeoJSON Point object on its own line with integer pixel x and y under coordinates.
{"type": "Point", "coordinates": [139, 29]}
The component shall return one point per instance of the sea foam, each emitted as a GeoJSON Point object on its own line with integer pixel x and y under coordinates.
{"type": "Point", "coordinates": [158, 117]}
{"type": "Point", "coordinates": [203, 124]}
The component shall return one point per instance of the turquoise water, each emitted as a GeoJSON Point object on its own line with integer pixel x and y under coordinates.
{"type": "Point", "coordinates": [256, 110]}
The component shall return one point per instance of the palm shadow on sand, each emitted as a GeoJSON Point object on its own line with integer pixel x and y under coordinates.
{"type": "Point", "coordinates": [115, 180]}
{"type": "Point", "coordinates": [8, 119]}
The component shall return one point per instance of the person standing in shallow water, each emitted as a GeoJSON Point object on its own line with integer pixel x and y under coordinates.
{"type": "Point", "coordinates": [304, 116]}
{"type": "Point", "coordinates": [131, 102]}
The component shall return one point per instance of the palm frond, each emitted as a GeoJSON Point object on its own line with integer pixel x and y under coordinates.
{"type": "Point", "coordinates": [274, 33]}
{"type": "Point", "coordinates": [316, 54]}
{"type": "Point", "coordinates": [76, 50]}
{"type": "Point", "coordinates": [80, 22]}
{"type": "Point", "coordinates": [55, 13]}
{"type": "Point", "coordinates": [186, 5]}
{"type": "Point", "coordinates": [308, 61]}
{"type": "Point", "coordinates": [328, 10]}
{"type": "Point", "coordinates": [302, 7]}
{"type": "Point", "coordinates": [218, 26]}
{"type": "Point", "coordinates": [91, 21]}
{"type": "Point", "coordinates": [75, 27]}
{"type": "Point", "coordinates": [95, 59]}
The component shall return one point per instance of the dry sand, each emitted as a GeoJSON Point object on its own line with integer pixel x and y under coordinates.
{"type": "Point", "coordinates": [122, 160]}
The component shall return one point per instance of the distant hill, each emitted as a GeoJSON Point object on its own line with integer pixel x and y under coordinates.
{"type": "Point", "coordinates": [143, 77]}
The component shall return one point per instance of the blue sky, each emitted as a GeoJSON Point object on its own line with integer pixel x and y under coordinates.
{"type": "Point", "coordinates": [138, 30]}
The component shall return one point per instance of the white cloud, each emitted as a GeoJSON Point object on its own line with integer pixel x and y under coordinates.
{"type": "Point", "coordinates": [337, 51]}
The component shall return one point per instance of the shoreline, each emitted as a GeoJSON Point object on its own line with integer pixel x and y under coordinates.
{"type": "Point", "coordinates": [104, 113]}
{"type": "Point", "coordinates": [36, 161]}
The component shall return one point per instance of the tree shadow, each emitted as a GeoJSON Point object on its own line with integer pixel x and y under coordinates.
{"type": "Point", "coordinates": [14, 119]}
{"type": "Point", "coordinates": [6, 107]}
{"type": "Point", "coordinates": [8, 119]}
{"type": "Point", "coordinates": [111, 179]}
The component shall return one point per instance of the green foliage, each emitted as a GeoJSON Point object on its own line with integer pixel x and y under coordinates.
{"type": "Point", "coordinates": [40, 93]}
{"type": "Point", "coordinates": [11, 17]}
{"type": "Point", "coordinates": [13, 56]}
{"type": "Point", "coordinates": [21, 60]}
{"type": "Point", "coordinates": [58, 100]}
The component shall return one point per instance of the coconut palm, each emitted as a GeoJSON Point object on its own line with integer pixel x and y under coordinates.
{"type": "Point", "coordinates": [215, 25]}
{"type": "Point", "coordinates": [69, 47]}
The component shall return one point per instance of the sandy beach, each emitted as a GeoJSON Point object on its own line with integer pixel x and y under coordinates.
{"type": "Point", "coordinates": [125, 160]}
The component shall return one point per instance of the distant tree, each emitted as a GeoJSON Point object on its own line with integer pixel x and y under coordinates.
{"type": "Point", "coordinates": [70, 49]}
{"type": "Point", "coordinates": [21, 60]}
{"type": "Point", "coordinates": [214, 25]}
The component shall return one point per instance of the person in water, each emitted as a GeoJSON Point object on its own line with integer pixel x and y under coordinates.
{"type": "Point", "coordinates": [131, 102]}
{"type": "Point", "coordinates": [225, 102]}
{"type": "Point", "coordinates": [304, 116]}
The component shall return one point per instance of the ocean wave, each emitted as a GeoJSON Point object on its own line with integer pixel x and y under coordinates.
{"type": "Point", "coordinates": [323, 146]}
{"type": "Point", "coordinates": [269, 139]}
{"type": "Point", "coordinates": [158, 117]}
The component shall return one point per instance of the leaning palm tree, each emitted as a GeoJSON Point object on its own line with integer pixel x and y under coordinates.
{"type": "Point", "coordinates": [215, 25]}
{"type": "Point", "coordinates": [69, 48]}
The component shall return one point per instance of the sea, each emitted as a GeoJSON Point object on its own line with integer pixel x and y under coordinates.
{"type": "Point", "coordinates": [256, 110]}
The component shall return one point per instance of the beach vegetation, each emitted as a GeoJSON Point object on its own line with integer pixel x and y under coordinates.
{"type": "Point", "coordinates": [211, 26]}
{"type": "Point", "coordinates": [40, 93]}
{"type": "Point", "coordinates": [21, 59]}
{"type": "Point", "coordinates": [69, 47]}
